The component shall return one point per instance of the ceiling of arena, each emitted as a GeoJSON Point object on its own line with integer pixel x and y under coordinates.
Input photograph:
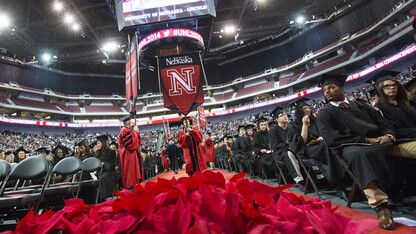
{"type": "Point", "coordinates": [36, 28]}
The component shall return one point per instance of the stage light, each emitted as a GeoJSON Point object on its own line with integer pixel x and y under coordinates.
{"type": "Point", "coordinates": [229, 29]}
{"type": "Point", "coordinates": [75, 27]}
{"type": "Point", "coordinates": [4, 21]}
{"type": "Point", "coordinates": [291, 22]}
{"type": "Point", "coordinates": [58, 6]}
{"type": "Point", "coordinates": [69, 18]}
{"type": "Point", "coordinates": [300, 19]}
{"type": "Point", "coordinates": [110, 46]}
{"type": "Point", "coordinates": [55, 57]}
{"type": "Point", "coordinates": [46, 57]}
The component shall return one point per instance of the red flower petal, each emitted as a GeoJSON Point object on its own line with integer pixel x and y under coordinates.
{"type": "Point", "coordinates": [238, 176]}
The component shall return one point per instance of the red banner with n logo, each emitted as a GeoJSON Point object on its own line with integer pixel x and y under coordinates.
{"type": "Point", "coordinates": [182, 87]}
{"type": "Point", "coordinates": [128, 86]}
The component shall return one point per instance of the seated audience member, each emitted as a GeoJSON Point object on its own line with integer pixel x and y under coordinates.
{"type": "Point", "coordinates": [240, 147]}
{"type": "Point", "coordinates": [280, 144]}
{"type": "Point", "coordinates": [262, 146]}
{"type": "Point", "coordinates": [394, 104]}
{"type": "Point", "coordinates": [349, 125]}
{"type": "Point", "coordinates": [306, 140]}
{"type": "Point", "coordinates": [108, 160]}
{"type": "Point", "coordinates": [20, 154]}
{"type": "Point", "coordinates": [2, 155]}
{"type": "Point", "coordinates": [59, 153]}
{"type": "Point", "coordinates": [249, 152]}
{"type": "Point", "coordinates": [8, 156]}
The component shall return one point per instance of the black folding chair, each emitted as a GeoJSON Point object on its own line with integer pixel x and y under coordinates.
{"type": "Point", "coordinates": [279, 165]}
{"type": "Point", "coordinates": [309, 164]}
{"type": "Point", "coordinates": [65, 167]}
{"type": "Point", "coordinates": [4, 170]}
{"type": "Point", "coordinates": [337, 152]}
{"type": "Point", "coordinates": [29, 169]}
{"type": "Point", "coordinates": [90, 165]}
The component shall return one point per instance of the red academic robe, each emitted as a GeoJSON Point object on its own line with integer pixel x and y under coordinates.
{"type": "Point", "coordinates": [165, 161]}
{"type": "Point", "coordinates": [197, 162]}
{"type": "Point", "coordinates": [131, 163]}
{"type": "Point", "coordinates": [210, 151]}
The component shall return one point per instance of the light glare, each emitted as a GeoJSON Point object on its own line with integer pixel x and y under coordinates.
{"type": "Point", "coordinates": [69, 18]}
{"type": "Point", "coordinates": [4, 21]}
{"type": "Point", "coordinates": [300, 19]}
{"type": "Point", "coordinates": [110, 46]}
{"type": "Point", "coordinates": [229, 29]}
{"type": "Point", "coordinates": [58, 6]}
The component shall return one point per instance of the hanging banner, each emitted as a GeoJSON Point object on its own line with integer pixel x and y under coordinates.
{"type": "Point", "coordinates": [201, 115]}
{"type": "Point", "coordinates": [129, 97]}
{"type": "Point", "coordinates": [182, 89]}
{"type": "Point", "coordinates": [133, 67]}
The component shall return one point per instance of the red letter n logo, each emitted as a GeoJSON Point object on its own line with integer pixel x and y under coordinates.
{"type": "Point", "coordinates": [181, 81]}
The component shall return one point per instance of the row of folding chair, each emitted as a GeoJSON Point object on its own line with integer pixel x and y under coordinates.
{"type": "Point", "coordinates": [16, 201]}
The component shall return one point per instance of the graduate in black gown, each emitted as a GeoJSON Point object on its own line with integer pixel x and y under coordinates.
{"type": "Point", "coordinates": [280, 144]}
{"type": "Point", "coordinates": [249, 152]}
{"type": "Point", "coordinates": [262, 147]}
{"type": "Point", "coordinates": [59, 152]}
{"type": "Point", "coordinates": [240, 147]}
{"type": "Point", "coordinates": [394, 103]}
{"type": "Point", "coordinates": [108, 174]}
{"type": "Point", "coordinates": [173, 153]}
{"type": "Point", "coordinates": [399, 111]}
{"type": "Point", "coordinates": [363, 137]}
{"type": "Point", "coordinates": [306, 141]}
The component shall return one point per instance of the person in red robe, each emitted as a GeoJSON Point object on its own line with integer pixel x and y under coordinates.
{"type": "Point", "coordinates": [131, 163]}
{"type": "Point", "coordinates": [190, 140]}
{"type": "Point", "coordinates": [210, 151]}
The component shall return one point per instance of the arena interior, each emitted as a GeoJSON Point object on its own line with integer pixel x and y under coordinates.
{"type": "Point", "coordinates": [94, 138]}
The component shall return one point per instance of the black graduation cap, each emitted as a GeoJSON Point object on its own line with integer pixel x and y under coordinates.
{"type": "Point", "coordinates": [301, 101]}
{"type": "Point", "coordinates": [228, 137]}
{"type": "Point", "coordinates": [42, 150]}
{"type": "Point", "coordinates": [59, 146]}
{"type": "Point", "coordinates": [93, 144]}
{"type": "Point", "coordinates": [372, 92]}
{"type": "Point", "coordinates": [262, 120]}
{"type": "Point", "coordinates": [241, 126]}
{"type": "Point", "coordinates": [81, 142]}
{"type": "Point", "coordinates": [410, 85]}
{"type": "Point", "coordinates": [327, 79]}
{"type": "Point", "coordinates": [114, 143]}
{"type": "Point", "coordinates": [277, 111]}
{"type": "Point", "coordinates": [125, 119]}
{"type": "Point", "coordinates": [235, 136]}
{"type": "Point", "coordinates": [103, 138]}
{"type": "Point", "coordinates": [250, 126]}
{"type": "Point", "coordinates": [7, 153]}
{"type": "Point", "coordinates": [383, 76]}
{"type": "Point", "coordinates": [20, 149]}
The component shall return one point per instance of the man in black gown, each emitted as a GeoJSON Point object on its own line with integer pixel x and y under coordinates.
{"type": "Point", "coordinates": [363, 137]}
{"type": "Point", "coordinates": [262, 147]}
{"type": "Point", "coordinates": [280, 144]}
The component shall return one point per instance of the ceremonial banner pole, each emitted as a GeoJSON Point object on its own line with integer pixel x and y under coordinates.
{"type": "Point", "coordinates": [158, 78]}
{"type": "Point", "coordinates": [203, 72]}
{"type": "Point", "coordinates": [138, 61]}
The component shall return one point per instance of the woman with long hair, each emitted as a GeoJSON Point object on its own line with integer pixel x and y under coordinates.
{"type": "Point", "coordinates": [108, 174]}
{"type": "Point", "coordinates": [306, 141]}
{"type": "Point", "coordinates": [394, 103]}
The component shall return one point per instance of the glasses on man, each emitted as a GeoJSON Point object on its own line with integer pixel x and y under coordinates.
{"type": "Point", "coordinates": [390, 86]}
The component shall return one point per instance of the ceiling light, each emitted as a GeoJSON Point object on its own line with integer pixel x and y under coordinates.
{"type": "Point", "coordinates": [292, 22]}
{"type": "Point", "coordinates": [58, 6]}
{"type": "Point", "coordinates": [55, 57]}
{"type": "Point", "coordinates": [75, 27]}
{"type": "Point", "coordinates": [229, 29]}
{"type": "Point", "coordinates": [110, 46]}
{"type": "Point", "coordinates": [4, 21]}
{"type": "Point", "coordinates": [46, 57]}
{"type": "Point", "coordinates": [300, 19]}
{"type": "Point", "coordinates": [69, 18]}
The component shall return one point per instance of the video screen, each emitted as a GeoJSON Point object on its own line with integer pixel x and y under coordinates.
{"type": "Point", "coordinates": [138, 12]}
